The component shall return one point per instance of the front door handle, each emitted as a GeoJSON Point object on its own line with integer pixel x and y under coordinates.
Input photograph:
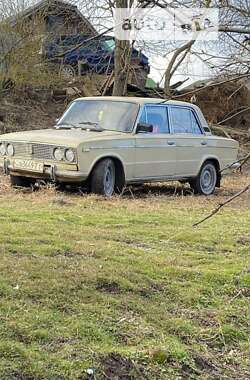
{"type": "Point", "coordinates": [204, 143]}
{"type": "Point", "coordinates": [171, 142]}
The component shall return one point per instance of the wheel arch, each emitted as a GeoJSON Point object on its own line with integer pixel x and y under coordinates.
{"type": "Point", "coordinates": [120, 177]}
{"type": "Point", "coordinates": [216, 163]}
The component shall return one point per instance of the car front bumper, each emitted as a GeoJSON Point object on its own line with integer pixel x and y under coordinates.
{"type": "Point", "coordinates": [51, 172]}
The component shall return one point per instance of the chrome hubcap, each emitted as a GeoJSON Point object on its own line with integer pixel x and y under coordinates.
{"type": "Point", "coordinates": [208, 179]}
{"type": "Point", "coordinates": [109, 181]}
{"type": "Point", "coordinates": [67, 72]}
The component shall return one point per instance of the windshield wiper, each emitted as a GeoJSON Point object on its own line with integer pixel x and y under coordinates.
{"type": "Point", "coordinates": [92, 123]}
{"type": "Point", "coordinates": [89, 123]}
{"type": "Point", "coordinates": [67, 124]}
{"type": "Point", "coordinates": [96, 126]}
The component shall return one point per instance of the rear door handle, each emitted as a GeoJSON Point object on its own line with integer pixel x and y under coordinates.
{"type": "Point", "coordinates": [204, 143]}
{"type": "Point", "coordinates": [171, 142]}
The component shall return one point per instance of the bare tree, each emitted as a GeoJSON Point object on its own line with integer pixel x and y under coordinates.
{"type": "Point", "coordinates": [122, 59]}
{"type": "Point", "coordinates": [229, 55]}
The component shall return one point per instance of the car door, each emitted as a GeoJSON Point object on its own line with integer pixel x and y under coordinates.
{"type": "Point", "coordinates": [156, 151]}
{"type": "Point", "coordinates": [190, 140]}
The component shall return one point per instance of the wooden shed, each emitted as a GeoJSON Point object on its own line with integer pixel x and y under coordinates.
{"type": "Point", "coordinates": [56, 17]}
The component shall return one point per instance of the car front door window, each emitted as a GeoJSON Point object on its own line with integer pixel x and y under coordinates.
{"type": "Point", "coordinates": [156, 116]}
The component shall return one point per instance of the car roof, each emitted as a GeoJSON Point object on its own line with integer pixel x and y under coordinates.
{"type": "Point", "coordinates": [142, 101]}
{"type": "Point", "coordinates": [137, 100]}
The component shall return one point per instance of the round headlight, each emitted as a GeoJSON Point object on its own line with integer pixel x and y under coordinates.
{"type": "Point", "coordinates": [2, 149]}
{"type": "Point", "coordinates": [58, 154]}
{"type": "Point", "coordinates": [70, 155]}
{"type": "Point", "coordinates": [10, 150]}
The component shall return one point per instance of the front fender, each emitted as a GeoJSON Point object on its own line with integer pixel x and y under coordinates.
{"type": "Point", "coordinates": [89, 158]}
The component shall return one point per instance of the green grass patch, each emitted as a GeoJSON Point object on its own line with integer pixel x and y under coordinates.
{"type": "Point", "coordinates": [125, 287]}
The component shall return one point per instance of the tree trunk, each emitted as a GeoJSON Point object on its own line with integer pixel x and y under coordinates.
{"type": "Point", "coordinates": [122, 61]}
{"type": "Point", "coordinates": [122, 66]}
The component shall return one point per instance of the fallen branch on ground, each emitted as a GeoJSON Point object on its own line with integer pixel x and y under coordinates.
{"type": "Point", "coordinates": [217, 209]}
{"type": "Point", "coordinates": [242, 162]}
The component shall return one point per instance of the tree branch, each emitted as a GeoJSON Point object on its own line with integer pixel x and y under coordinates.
{"type": "Point", "coordinates": [172, 66]}
{"type": "Point", "coordinates": [217, 209]}
{"type": "Point", "coordinates": [242, 162]}
{"type": "Point", "coordinates": [234, 29]}
{"type": "Point", "coordinates": [212, 85]}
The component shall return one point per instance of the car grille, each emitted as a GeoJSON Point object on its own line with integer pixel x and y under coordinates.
{"type": "Point", "coordinates": [36, 151]}
{"type": "Point", "coordinates": [39, 151]}
{"type": "Point", "coordinates": [22, 150]}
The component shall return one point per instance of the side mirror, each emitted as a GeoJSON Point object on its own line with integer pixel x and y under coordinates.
{"type": "Point", "coordinates": [144, 128]}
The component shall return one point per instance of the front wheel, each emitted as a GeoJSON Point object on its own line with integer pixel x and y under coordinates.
{"type": "Point", "coordinates": [206, 180]}
{"type": "Point", "coordinates": [103, 178]}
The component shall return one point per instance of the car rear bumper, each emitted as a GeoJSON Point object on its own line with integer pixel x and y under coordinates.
{"type": "Point", "coordinates": [236, 165]}
{"type": "Point", "coordinates": [230, 167]}
{"type": "Point", "coordinates": [50, 172]}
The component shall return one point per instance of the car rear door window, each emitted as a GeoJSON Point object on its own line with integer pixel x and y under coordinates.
{"type": "Point", "coordinates": [195, 125]}
{"type": "Point", "coordinates": [156, 116]}
{"type": "Point", "coordinates": [184, 121]}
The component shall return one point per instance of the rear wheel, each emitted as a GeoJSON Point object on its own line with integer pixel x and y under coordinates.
{"type": "Point", "coordinates": [205, 182]}
{"type": "Point", "coordinates": [17, 181]}
{"type": "Point", "coordinates": [103, 178]}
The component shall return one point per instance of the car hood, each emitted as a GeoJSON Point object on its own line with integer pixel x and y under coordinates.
{"type": "Point", "coordinates": [65, 137]}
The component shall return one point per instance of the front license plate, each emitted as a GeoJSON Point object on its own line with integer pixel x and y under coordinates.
{"type": "Point", "coordinates": [29, 165]}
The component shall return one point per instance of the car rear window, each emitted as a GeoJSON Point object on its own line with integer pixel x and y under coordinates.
{"type": "Point", "coordinates": [184, 121]}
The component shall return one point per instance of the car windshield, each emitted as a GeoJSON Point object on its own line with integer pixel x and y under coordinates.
{"type": "Point", "coordinates": [100, 115]}
{"type": "Point", "coordinates": [110, 44]}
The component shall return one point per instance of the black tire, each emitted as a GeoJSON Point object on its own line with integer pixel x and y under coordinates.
{"type": "Point", "coordinates": [61, 186]}
{"type": "Point", "coordinates": [67, 71]}
{"type": "Point", "coordinates": [17, 181]}
{"type": "Point", "coordinates": [206, 180]}
{"type": "Point", "coordinates": [103, 178]}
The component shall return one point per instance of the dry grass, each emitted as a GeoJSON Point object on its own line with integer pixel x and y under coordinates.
{"type": "Point", "coordinates": [156, 193]}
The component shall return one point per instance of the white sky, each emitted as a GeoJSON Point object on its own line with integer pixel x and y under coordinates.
{"type": "Point", "coordinates": [193, 68]}
{"type": "Point", "coordinates": [164, 25]}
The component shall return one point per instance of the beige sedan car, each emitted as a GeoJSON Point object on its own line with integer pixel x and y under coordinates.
{"type": "Point", "coordinates": [109, 142]}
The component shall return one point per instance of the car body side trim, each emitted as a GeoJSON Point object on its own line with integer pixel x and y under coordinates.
{"type": "Point", "coordinates": [108, 147]}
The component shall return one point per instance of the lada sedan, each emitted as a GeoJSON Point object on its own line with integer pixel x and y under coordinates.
{"type": "Point", "coordinates": [110, 142]}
